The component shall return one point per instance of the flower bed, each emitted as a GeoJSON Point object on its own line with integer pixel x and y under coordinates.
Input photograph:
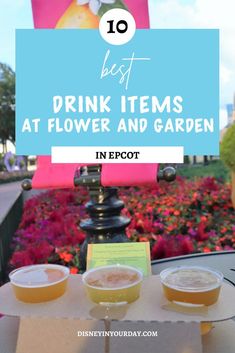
{"type": "Point", "coordinates": [180, 218]}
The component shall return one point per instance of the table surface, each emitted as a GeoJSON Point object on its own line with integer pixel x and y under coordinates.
{"type": "Point", "coordinates": [223, 261]}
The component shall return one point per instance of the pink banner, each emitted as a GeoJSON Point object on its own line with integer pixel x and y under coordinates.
{"type": "Point", "coordinates": [46, 13]}
{"type": "Point", "coordinates": [58, 175]}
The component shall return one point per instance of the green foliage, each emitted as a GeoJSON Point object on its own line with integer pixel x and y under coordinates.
{"type": "Point", "coordinates": [119, 4]}
{"type": "Point", "coordinates": [7, 104]}
{"type": "Point", "coordinates": [214, 169]}
{"type": "Point", "coordinates": [14, 176]}
{"type": "Point", "coordinates": [2, 166]}
{"type": "Point", "coordinates": [227, 148]}
{"type": "Point", "coordinates": [186, 160]}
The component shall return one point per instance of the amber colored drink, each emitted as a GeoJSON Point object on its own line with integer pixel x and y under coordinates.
{"type": "Point", "coordinates": [193, 285]}
{"type": "Point", "coordinates": [39, 283]}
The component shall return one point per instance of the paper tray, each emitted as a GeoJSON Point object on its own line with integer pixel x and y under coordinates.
{"type": "Point", "coordinates": [221, 339]}
{"type": "Point", "coordinates": [75, 304]}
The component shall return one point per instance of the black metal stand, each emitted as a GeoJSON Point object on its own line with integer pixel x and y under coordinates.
{"type": "Point", "coordinates": [105, 224]}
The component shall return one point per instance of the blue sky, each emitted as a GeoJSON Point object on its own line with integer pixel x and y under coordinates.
{"type": "Point", "coordinates": [13, 14]}
{"type": "Point", "coordinates": [164, 14]}
{"type": "Point", "coordinates": [204, 14]}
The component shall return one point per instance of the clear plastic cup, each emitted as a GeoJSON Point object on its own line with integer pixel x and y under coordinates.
{"type": "Point", "coordinates": [39, 283]}
{"type": "Point", "coordinates": [196, 285]}
{"type": "Point", "coordinates": [113, 284]}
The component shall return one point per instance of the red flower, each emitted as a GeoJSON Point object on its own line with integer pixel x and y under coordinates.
{"type": "Point", "coordinates": [206, 249]}
{"type": "Point", "coordinates": [66, 256]}
{"type": "Point", "coordinates": [73, 270]}
{"type": "Point", "coordinates": [223, 230]}
{"type": "Point", "coordinates": [143, 239]}
{"type": "Point", "coordinates": [21, 258]}
{"type": "Point", "coordinates": [178, 218]}
{"type": "Point", "coordinates": [159, 249]}
{"type": "Point", "coordinates": [186, 246]}
{"type": "Point", "coordinates": [201, 233]}
{"type": "Point", "coordinates": [176, 213]}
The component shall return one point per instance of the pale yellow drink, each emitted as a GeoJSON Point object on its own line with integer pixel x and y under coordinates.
{"type": "Point", "coordinates": [39, 283]}
{"type": "Point", "coordinates": [193, 285]}
{"type": "Point", "coordinates": [113, 284]}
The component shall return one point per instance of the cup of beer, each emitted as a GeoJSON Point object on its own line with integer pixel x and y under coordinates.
{"type": "Point", "coordinates": [113, 284]}
{"type": "Point", "coordinates": [39, 283]}
{"type": "Point", "coordinates": [195, 285]}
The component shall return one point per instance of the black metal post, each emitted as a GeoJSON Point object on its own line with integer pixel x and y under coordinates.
{"type": "Point", "coordinates": [105, 225]}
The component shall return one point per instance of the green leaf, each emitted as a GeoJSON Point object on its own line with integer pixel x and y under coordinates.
{"type": "Point", "coordinates": [7, 103]}
{"type": "Point", "coordinates": [227, 148]}
{"type": "Point", "coordinates": [119, 4]}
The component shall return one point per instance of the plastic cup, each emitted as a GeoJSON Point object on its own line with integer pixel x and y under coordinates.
{"type": "Point", "coordinates": [39, 283]}
{"type": "Point", "coordinates": [195, 285]}
{"type": "Point", "coordinates": [113, 284]}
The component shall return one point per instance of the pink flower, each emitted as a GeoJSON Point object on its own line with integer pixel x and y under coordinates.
{"type": "Point", "coordinates": [178, 218]}
{"type": "Point", "coordinates": [201, 233]}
